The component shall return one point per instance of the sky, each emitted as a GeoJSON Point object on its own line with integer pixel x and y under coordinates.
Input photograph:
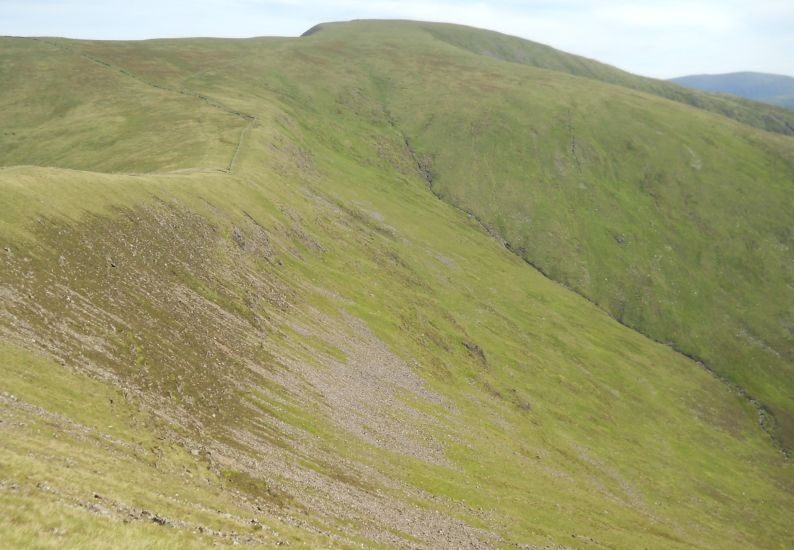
{"type": "Point", "coordinates": [657, 38]}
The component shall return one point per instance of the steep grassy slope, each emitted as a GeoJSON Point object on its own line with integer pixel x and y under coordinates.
{"type": "Point", "coordinates": [314, 349]}
{"type": "Point", "coordinates": [525, 52]}
{"type": "Point", "coordinates": [678, 222]}
{"type": "Point", "coordinates": [770, 88]}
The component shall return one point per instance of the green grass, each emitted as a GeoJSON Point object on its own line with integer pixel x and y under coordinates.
{"type": "Point", "coordinates": [184, 291]}
{"type": "Point", "coordinates": [79, 468]}
{"type": "Point", "coordinates": [524, 52]}
{"type": "Point", "coordinates": [672, 219]}
{"type": "Point", "coordinates": [121, 122]}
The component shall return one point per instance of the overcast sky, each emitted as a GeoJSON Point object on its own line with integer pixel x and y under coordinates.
{"type": "Point", "coordinates": [660, 38]}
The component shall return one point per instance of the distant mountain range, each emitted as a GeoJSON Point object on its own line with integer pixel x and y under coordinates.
{"type": "Point", "coordinates": [774, 89]}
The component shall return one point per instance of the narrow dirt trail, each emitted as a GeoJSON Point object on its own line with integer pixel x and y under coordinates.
{"type": "Point", "coordinates": [249, 118]}
{"type": "Point", "coordinates": [251, 121]}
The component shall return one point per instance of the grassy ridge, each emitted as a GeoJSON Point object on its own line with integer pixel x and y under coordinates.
{"type": "Point", "coordinates": [517, 50]}
{"type": "Point", "coordinates": [234, 309]}
{"type": "Point", "coordinates": [121, 122]}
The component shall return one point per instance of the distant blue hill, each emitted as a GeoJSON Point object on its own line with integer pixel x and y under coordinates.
{"type": "Point", "coordinates": [768, 88]}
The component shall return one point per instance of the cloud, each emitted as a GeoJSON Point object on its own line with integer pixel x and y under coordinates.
{"type": "Point", "coordinates": [704, 18]}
